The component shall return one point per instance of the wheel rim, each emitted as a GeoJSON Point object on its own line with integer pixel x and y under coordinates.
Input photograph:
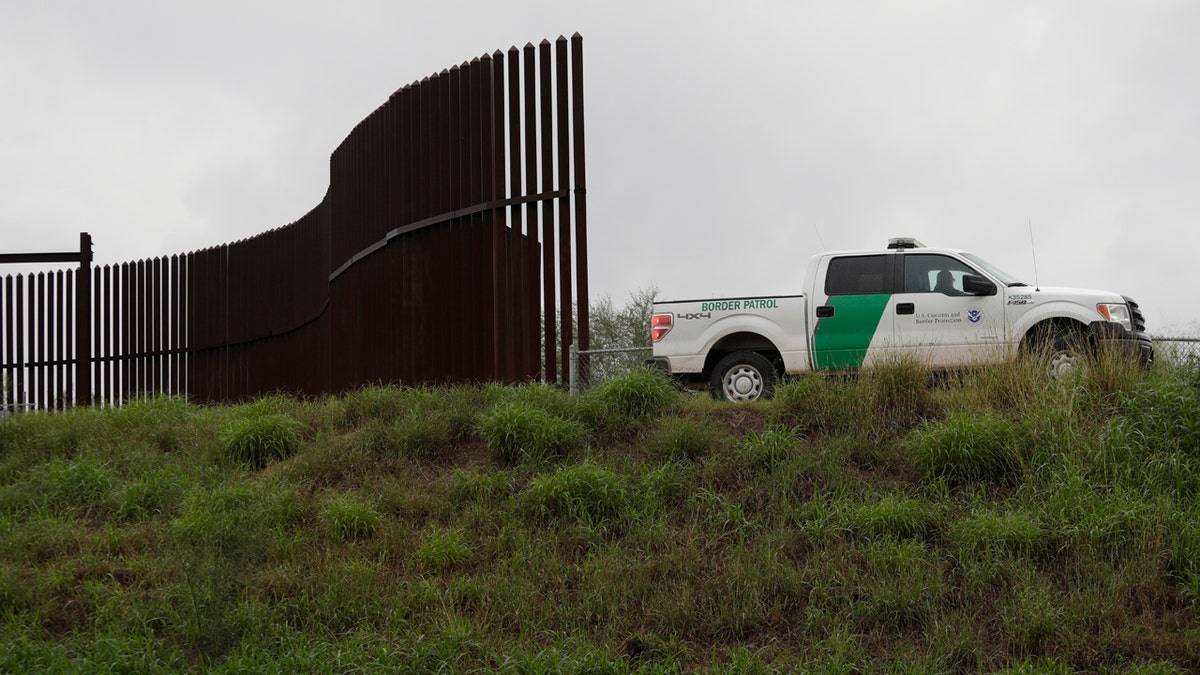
{"type": "Point", "coordinates": [743, 383]}
{"type": "Point", "coordinates": [1061, 365]}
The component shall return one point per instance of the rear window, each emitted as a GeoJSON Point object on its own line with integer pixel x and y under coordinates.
{"type": "Point", "coordinates": [855, 275]}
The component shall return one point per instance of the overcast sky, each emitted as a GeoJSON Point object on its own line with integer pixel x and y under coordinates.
{"type": "Point", "coordinates": [727, 142]}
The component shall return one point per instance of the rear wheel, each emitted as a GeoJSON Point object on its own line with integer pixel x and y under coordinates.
{"type": "Point", "coordinates": [743, 376]}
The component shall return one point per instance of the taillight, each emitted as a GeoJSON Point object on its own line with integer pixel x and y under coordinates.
{"type": "Point", "coordinates": [660, 324]}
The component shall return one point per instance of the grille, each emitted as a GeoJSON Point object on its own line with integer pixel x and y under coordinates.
{"type": "Point", "coordinates": [1135, 315]}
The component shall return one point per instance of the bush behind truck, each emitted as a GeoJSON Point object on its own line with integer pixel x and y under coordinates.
{"type": "Point", "coordinates": [944, 307]}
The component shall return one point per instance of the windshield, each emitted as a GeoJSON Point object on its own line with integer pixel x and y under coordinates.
{"type": "Point", "coordinates": [1000, 275]}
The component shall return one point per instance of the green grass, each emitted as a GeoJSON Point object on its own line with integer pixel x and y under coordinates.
{"type": "Point", "coordinates": [898, 521]}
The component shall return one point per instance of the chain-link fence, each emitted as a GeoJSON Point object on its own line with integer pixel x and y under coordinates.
{"type": "Point", "coordinates": [591, 367]}
{"type": "Point", "coordinates": [1177, 350]}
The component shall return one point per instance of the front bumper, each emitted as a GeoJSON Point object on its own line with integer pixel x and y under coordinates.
{"type": "Point", "coordinates": [1107, 335]}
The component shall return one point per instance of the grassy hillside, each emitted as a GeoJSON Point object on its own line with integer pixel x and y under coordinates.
{"type": "Point", "coordinates": [899, 522]}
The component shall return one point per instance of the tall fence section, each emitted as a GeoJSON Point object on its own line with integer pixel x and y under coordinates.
{"type": "Point", "coordinates": [451, 246]}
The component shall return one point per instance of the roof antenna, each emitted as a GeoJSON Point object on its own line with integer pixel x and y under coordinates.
{"type": "Point", "coordinates": [1033, 250]}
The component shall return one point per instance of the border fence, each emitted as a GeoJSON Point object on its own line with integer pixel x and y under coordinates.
{"type": "Point", "coordinates": [453, 231]}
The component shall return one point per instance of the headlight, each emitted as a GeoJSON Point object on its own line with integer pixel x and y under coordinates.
{"type": "Point", "coordinates": [1115, 313]}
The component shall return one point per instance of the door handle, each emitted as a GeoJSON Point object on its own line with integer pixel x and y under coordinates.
{"type": "Point", "coordinates": [824, 311]}
{"type": "Point", "coordinates": [905, 308]}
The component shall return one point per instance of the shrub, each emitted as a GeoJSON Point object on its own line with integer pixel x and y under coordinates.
{"type": "Point", "coordinates": [259, 440]}
{"type": "Point", "coordinates": [515, 433]}
{"type": "Point", "coordinates": [966, 448]}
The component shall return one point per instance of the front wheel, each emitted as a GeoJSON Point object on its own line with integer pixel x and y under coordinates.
{"type": "Point", "coordinates": [743, 376]}
{"type": "Point", "coordinates": [1063, 354]}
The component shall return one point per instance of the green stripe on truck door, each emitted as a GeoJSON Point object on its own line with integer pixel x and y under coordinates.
{"type": "Point", "coordinates": [841, 341]}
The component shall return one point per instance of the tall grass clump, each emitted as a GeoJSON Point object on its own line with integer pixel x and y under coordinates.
{"type": "Point", "coordinates": [373, 402]}
{"type": "Point", "coordinates": [163, 422]}
{"type": "Point", "coordinates": [584, 492]}
{"type": "Point", "coordinates": [896, 516]}
{"type": "Point", "coordinates": [258, 440]}
{"type": "Point", "coordinates": [221, 537]}
{"type": "Point", "coordinates": [80, 486]}
{"type": "Point", "coordinates": [517, 433]}
{"type": "Point", "coordinates": [899, 394]}
{"type": "Point", "coordinates": [682, 439]}
{"type": "Point", "coordinates": [625, 404]}
{"type": "Point", "coordinates": [351, 517]}
{"type": "Point", "coordinates": [967, 448]}
{"type": "Point", "coordinates": [818, 404]}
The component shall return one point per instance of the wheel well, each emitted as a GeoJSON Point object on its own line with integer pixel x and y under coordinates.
{"type": "Point", "coordinates": [1044, 332]}
{"type": "Point", "coordinates": [734, 342]}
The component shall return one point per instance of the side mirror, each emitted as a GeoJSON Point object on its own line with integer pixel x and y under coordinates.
{"type": "Point", "coordinates": [974, 284]}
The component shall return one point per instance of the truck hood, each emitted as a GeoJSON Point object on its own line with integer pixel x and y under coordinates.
{"type": "Point", "coordinates": [1081, 295]}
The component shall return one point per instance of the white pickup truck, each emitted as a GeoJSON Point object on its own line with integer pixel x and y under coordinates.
{"type": "Point", "coordinates": [944, 307]}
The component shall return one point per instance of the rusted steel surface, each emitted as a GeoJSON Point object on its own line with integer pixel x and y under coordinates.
{"type": "Point", "coordinates": [428, 261]}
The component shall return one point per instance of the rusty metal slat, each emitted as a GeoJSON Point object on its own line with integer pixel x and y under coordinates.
{"type": "Point", "coordinates": [549, 297]}
{"type": "Point", "coordinates": [502, 320]}
{"type": "Point", "coordinates": [582, 312]}
{"type": "Point", "coordinates": [566, 337]}
{"type": "Point", "coordinates": [516, 222]}
{"type": "Point", "coordinates": [104, 314]}
{"type": "Point", "coordinates": [83, 321]}
{"type": "Point", "coordinates": [96, 317]}
{"type": "Point", "coordinates": [53, 309]}
{"type": "Point", "coordinates": [22, 395]}
{"type": "Point", "coordinates": [40, 355]}
{"type": "Point", "coordinates": [533, 284]}
{"type": "Point", "coordinates": [173, 336]}
{"type": "Point", "coordinates": [120, 334]}
{"type": "Point", "coordinates": [9, 356]}
{"type": "Point", "coordinates": [70, 354]}
{"type": "Point", "coordinates": [154, 327]}
{"type": "Point", "coordinates": [474, 262]}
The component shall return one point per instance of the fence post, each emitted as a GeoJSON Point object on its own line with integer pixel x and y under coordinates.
{"type": "Point", "coordinates": [572, 370]}
{"type": "Point", "coordinates": [83, 322]}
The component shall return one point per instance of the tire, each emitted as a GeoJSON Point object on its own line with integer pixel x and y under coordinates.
{"type": "Point", "coordinates": [1064, 354]}
{"type": "Point", "coordinates": [743, 376]}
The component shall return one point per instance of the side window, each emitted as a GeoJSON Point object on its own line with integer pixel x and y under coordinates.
{"type": "Point", "coordinates": [855, 275]}
{"type": "Point", "coordinates": [929, 273]}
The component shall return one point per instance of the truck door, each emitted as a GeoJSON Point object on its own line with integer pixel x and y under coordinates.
{"type": "Point", "coordinates": [849, 314]}
{"type": "Point", "coordinates": [937, 321]}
